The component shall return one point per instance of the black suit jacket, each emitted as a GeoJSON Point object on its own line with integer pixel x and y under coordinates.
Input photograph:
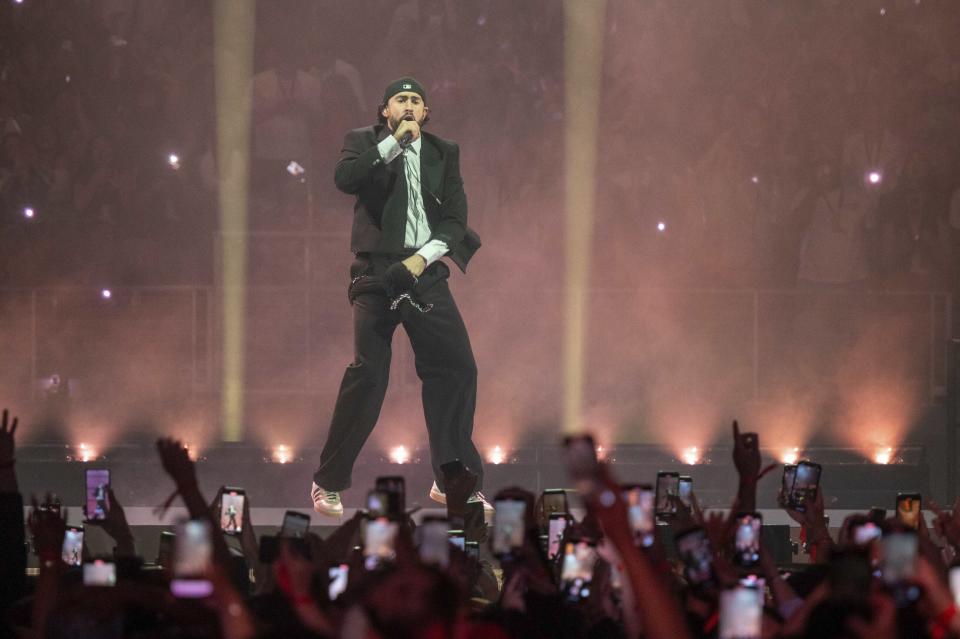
{"type": "Point", "coordinates": [380, 212]}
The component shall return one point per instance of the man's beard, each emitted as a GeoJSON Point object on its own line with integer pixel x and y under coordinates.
{"type": "Point", "coordinates": [396, 123]}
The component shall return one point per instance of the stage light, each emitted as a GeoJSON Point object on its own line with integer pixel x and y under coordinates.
{"type": "Point", "coordinates": [883, 455]}
{"type": "Point", "coordinates": [790, 456]}
{"type": "Point", "coordinates": [85, 452]}
{"type": "Point", "coordinates": [28, 212]}
{"type": "Point", "coordinates": [399, 455]}
{"type": "Point", "coordinates": [874, 177]}
{"type": "Point", "coordinates": [282, 454]}
{"type": "Point", "coordinates": [661, 226]}
{"type": "Point", "coordinates": [691, 456]}
{"type": "Point", "coordinates": [755, 179]}
{"type": "Point", "coordinates": [174, 161]}
{"type": "Point", "coordinates": [883, 12]}
{"type": "Point", "coordinates": [497, 456]}
{"type": "Point", "coordinates": [295, 169]}
{"type": "Point", "coordinates": [106, 293]}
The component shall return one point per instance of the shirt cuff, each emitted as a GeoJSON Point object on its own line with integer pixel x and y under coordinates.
{"type": "Point", "coordinates": [433, 251]}
{"type": "Point", "coordinates": [389, 149]}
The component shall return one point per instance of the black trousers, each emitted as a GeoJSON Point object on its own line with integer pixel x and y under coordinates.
{"type": "Point", "coordinates": [444, 364]}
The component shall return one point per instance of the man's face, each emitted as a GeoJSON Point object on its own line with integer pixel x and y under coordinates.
{"type": "Point", "coordinates": [403, 105]}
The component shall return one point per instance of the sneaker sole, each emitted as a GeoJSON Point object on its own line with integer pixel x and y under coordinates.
{"type": "Point", "coordinates": [329, 512]}
{"type": "Point", "coordinates": [438, 497]}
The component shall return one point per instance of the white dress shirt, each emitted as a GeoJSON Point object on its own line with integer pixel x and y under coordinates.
{"type": "Point", "coordinates": [417, 233]}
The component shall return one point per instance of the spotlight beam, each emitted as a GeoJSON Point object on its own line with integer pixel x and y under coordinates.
{"type": "Point", "coordinates": [583, 61]}
{"type": "Point", "coordinates": [233, 58]}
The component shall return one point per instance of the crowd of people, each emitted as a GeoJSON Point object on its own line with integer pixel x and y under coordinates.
{"type": "Point", "coordinates": [380, 574]}
{"type": "Point", "coordinates": [741, 143]}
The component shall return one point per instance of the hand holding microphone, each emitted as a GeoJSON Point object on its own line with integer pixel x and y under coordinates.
{"type": "Point", "coordinates": [408, 131]}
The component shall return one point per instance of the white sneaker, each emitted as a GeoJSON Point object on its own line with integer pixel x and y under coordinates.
{"type": "Point", "coordinates": [436, 495]}
{"type": "Point", "coordinates": [441, 498]}
{"type": "Point", "coordinates": [326, 502]}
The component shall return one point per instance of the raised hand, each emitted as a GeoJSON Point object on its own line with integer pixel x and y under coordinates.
{"type": "Point", "coordinates": [177, 463]}
{"type": "Point", "coordinates": [7, 431]}
{"type": "Point", "coordinates": [115, 524]}
{"type": "Point", "coordinates": [947, 523]}
{"type": "Point", "coordinates": [746, 453]}
{"type": "Point", "coordinates": [47, 527]}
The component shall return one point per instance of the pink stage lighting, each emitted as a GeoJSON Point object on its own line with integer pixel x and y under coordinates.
{"type": "Point", "coordinates": [690, 455]}
{"type": "Point", "coordinates": [282, 454]}
{"type": "Point", "coordinates": [399, 455]}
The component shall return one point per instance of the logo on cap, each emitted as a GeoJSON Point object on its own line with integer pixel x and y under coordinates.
{"type": "Point", "coordinates": [407, 86]}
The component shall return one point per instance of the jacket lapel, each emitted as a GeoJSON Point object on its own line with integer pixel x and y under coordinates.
{"type": "Point", "coordinates": [431, 170]}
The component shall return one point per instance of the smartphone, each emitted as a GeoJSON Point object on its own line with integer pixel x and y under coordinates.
{"type": "Point", "coordinates": [433, 543]}
{"type": "Point", "coordinates": [472, 548]}
{"type": "Point", "coordinates": [509, 524]}
{"type": "Point", "coordinates": [165, 549]}
{"type": "Point", "coordinates": [72, 552]}
{"type": "Point", "coordinates": [639, 499]}
{"type": "Point", "coordinates": [554, 501]}
{"type": "Point", "coordinates": [955, 584]}
{"type": "Point", "coordinates": [746, 550]}
{"type": "Point", "coordinates": [379, 536]}
{"type": "Point", "coordinates": [685, 490]}
{"type": "Point", "coordinates": [555, 530]}
{"type": "Point", "coordinates": [294, 524]}
{"type": "Point", "coordinates": [100, 573]}
{"type": "Point", "coordinates": [741, 613]}
{"type": "Point", "coordinates": [580, 452]}
{"type": "Point", "coordinates": [805, 483]}
{"type": "Point", "coordinates": [786, 484]}
{"type": "Point", "coordinates": [339, 576]}
{"type": "Point", "coordinates": [192, 551]}
{"type": "Point", "coordinates": [231, 510]}
{"type": "Point", "coordinates": [473, 520]}
{"type": "Point", "coordinates": [908, 509]}
{"type": "Point", "coordinates": [693, 548]}
{"type": "Point", "coordinates": [576, 572]}
{"type": "Point", "coordinates": [668, 485]}
{"type": "Point", "coordinates": [899, 552]}
{"type": "Point", "coordinates": [457, 539]}
{"type": "Point", "coordinates": [864, 533]}
{"type": "Point", "coordinates": [395, 490]}
{"type": "Point", "coordinates": [98, 498]}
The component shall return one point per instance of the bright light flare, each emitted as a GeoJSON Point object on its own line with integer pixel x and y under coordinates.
{"type": "Point", "coordinates": [883, 456]}
{"type": "Point", "coordinates": [399, 455]}
{"type": "Point", "coordinates": [874, 177]}
{"type": "Point", "coordinates": [106, 293]}
{"type": "Point", "coordinates": [85, 452]}
{"type": "Point", "coordinates": [755, 179]}
{"type": "Point", "coordinates": [282, 454]}
{"type": "Point", "coordinates": [790, 455]}
{"type": "Point", "coordinates": [28, 212]}
{"type": "Point", "coordinates": [661, 226]}
{"type": "Point", "coordinates": [497, 456]}
{"type": "Point", "coordinates": [691, 455]}
{"type": "Point", "coordinates": [174, 161]}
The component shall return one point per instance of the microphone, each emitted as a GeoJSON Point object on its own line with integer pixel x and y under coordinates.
{"type": "Point", "coordinates": [407, 137]}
